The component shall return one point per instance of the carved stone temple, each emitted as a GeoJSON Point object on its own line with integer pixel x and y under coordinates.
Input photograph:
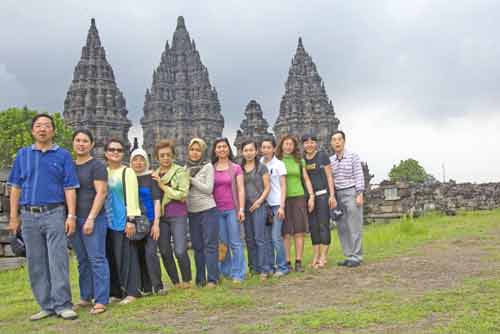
{"type": "Point", "coordinates": [181, 103]}
{"type": "Point", "coordinates": [93, 100]}
{"type": "Point", "coordinates": [305, 106]}
{"type": "Point", "coordinates": [254, 126]}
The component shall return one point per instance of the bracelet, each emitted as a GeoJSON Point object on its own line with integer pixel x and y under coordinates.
{"type": "Point", "coordinates": [70, 216]}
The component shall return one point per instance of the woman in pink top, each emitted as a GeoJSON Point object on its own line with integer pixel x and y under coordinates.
{"type": "Point", "coordinates": [229, 195]}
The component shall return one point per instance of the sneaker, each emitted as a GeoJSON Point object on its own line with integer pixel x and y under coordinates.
{"type": "Point", "coordinates": [279, 274]}
{"type": "Point", "coordinates": [128, 300]}
{"type": "Point", "coordinates": [68, 314]}
{"type": "Point", "coordinates": [298, 267]}
{"type": "Point", "coordinates": [289, 265]}
{"type": "Point", "coordinates": [342, 263]}
{"type": "Point", "coordinates": [353, 264]}
{"type": "Point", "coordinates": [263, 277]}
{"type": "Point", "coordinates": [113, 300]}
{"type": "Point", "coordinates": [161, 292]}
{"type": "Point", "coordinates": [41, 315]}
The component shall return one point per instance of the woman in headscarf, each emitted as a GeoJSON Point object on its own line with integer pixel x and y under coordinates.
{"type": "Point", "coordinates": [203, 217]}
{"type": "Point", "coordinates": [150, 196]}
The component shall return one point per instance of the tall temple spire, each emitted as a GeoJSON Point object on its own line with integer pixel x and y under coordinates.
{"type": "Point", "coordinates": [305, 106]}
{"type": "Point", "coordinates": [181, 103]}
{"type": "Point", "coordinates": [93, 100]}
{"type": "Point", "coordinates": [254, 126]}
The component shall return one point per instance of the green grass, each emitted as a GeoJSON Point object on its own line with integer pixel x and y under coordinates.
{"type": "Point", "coordinates": [470, 309]}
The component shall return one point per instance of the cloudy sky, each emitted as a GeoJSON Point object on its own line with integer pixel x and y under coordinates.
{"type": "Point", "coordinates": [416, 78]}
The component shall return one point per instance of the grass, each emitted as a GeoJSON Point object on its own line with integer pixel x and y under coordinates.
{"type": "Point", "coordinates": [473, 308]}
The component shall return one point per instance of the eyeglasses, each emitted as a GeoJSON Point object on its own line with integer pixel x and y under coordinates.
{"type": "Point", "coordinates": [117, 150]}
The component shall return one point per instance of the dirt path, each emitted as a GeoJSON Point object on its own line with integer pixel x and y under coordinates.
{"type": "Point", "coordinates": [438, 265]}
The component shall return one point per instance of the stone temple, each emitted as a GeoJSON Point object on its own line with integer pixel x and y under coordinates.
{"type": "Point", "coordinates": [254, 126]}
{"type": "Point", "coordinates": [181, 103]}
{"type": "Point", "coordinates": [93, 100]}
{"type": "Point", "coordinates": [305, 106]}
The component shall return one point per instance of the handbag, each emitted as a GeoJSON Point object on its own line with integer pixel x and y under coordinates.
{"type": "Point", "coordinates": [269, 216]}
{"type": "Point", "coordinates": [142, 225]}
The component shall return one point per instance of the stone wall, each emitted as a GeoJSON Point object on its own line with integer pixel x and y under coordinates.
{"type": "Point", "coordinates": [4, 214]}
{"type": "Point", "coordinates": [395, 199]}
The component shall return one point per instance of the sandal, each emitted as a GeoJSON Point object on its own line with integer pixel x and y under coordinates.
{"type": "Point", "coordinates": [322, 264]}
{"type": "Point", "coordinates": [98, 309]}
{"type": "Point", "coordinates": [81, 304]}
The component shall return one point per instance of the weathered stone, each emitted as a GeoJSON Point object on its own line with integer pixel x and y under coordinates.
{"type": "Point", "coordinates": [417, 198]}
{"type": "Point", "coordinates": [305, 106]}
{"type": "Point", "coordinates": [254, 126]}
{"type": "Point", "coordinates": [181, 103]}
{"type": "Point", "coordinates": [93, 100]}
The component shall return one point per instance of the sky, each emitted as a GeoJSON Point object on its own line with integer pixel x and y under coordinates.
{"type": "Point", "coordinates": [408, 79]}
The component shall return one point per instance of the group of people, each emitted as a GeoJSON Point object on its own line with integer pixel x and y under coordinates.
{"type": "Point", "coordinates": [118, 217]}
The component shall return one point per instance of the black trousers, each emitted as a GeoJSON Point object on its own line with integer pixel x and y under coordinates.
{"type": "Point", "coordinates": [124, 268]}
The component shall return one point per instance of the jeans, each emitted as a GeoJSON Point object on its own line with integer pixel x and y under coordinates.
{"type": "Point", "coordinates": [47, 257]}
{"type": "Point", "coordinates": [204, 231]}
{"type": "Point", "coordinates": [233, 265]}
{"type": "Point", "coordinates": [258, 240]}
{"type": "Point", "coordinates": [278, 250]}
{"type": "Point", "coordinates": [93, 267]}
{"type": "Point", "coordinates": [175, 227]}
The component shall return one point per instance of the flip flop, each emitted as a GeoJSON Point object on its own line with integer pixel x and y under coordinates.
{"type": "Point", "coordinates": [97, 310]}
{"type": "Point", "coordinates": [81, 304]}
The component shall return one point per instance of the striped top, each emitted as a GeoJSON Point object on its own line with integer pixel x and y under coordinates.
{"type": "Point", "coordinates": [347, 171]}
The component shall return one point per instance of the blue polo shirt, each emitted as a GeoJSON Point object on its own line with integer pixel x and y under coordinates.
{"type": "Point", "coordinates": [43, 176]}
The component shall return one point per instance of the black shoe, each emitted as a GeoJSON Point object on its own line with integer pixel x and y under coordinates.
{"type": "Point", "coordinates": [298, 267]}
{"type": "Point", "coordinates": [289, 265]}
{"type": "Point", "coordinates": [342, 263]}
{"type": "Point", "coordinates": [352, 264]}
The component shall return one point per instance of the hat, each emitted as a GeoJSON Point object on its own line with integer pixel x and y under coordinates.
{"type": "Point", "coordinates": [142, 153]}
{"type": "Point", "coordinates": [308, 136]}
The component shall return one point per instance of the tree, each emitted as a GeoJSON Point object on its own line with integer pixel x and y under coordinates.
{"type": "Point", "coordinates": [15, 132]}
{"type": "Point", "coordinates": [408, 170]}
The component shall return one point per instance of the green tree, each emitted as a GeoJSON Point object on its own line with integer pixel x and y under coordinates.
{"type": "Point", "coordinates": [408, 170]}
{"type": "Point", "coordinates": [15, 132]}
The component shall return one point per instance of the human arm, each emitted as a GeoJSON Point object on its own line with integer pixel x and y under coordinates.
{"type": "Point", "coordinates": [265, 192]}
{"type": "Point", "coordinates": [204, 180]}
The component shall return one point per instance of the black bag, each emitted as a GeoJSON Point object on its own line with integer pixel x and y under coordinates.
{"type": "Point", "coordinates": [269, 216]}
{"type": "Point", "coordinates": [142, 225]}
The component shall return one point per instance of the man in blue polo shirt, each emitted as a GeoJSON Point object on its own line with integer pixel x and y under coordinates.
{"type": "Point", "coordinates": [43, 180]}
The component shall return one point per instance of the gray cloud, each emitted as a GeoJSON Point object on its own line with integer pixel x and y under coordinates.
{"type": "Point", "coordinates": [413, 61]}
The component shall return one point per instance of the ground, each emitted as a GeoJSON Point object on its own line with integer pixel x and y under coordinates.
{"type": "Point", "coordinates": [436, 274]}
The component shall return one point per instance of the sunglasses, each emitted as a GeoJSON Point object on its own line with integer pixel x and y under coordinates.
{"type": "Point", "coordinates": [117, 150]}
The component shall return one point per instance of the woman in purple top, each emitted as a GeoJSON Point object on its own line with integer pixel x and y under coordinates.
{"type": "Point", "coordinates": [229, 194]}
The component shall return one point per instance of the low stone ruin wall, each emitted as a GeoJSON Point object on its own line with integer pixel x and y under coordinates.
{"type": "Point", "coordinates": [395, 199]}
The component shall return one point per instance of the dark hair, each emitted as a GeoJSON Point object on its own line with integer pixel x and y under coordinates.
{"type": "Point", "coordinates": [270, 140]}
{"type": "Point", "coordinates": [165, 143]}
{"type": "Point", "coordinates": [296, 152]}
{"type": "Point", "coordinates": [85, 132]}
{"type": "Point", "coordinates": [339, 132]}
{"type": "Point", "coordinates": [113, 140]}
{"type": "Point", "coordinates": [256, 159]}
{"type": "Point", "coordinates": [214, 155]}
{"type": "Point", "coordinates": [43, 115]}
